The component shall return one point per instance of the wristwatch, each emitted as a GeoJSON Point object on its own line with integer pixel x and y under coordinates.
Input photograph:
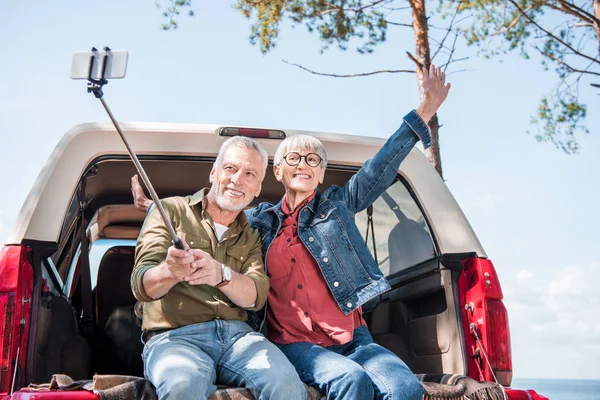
{"type": "Point", "coordinates": [225, 276]}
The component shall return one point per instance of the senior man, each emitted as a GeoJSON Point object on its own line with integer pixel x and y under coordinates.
{"type": "Point", "coordinates": [196, 300]}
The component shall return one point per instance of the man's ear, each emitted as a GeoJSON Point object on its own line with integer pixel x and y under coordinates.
{"type": "Point", "coordinates": [277, 172]}
{"type": "Point", "coordinates": [211, 176]}
{"type": "Point", "coordinates": [258, 190]}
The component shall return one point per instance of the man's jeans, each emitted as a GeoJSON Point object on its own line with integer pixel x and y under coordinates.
{"type": "Point", "coordinates": [185, 363]}
{"type": "Point", "coordinates": [358, 370]}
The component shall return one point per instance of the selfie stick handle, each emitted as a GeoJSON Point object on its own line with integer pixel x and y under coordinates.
{"type": "Point", "coordinates": [95, 86]}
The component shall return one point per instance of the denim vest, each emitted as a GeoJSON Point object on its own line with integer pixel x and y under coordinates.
{"type": "Point", "coordinates": [326, 225]}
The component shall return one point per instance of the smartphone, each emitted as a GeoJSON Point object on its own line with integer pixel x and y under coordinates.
{"type": "Point", "coordinates": [116, 64]}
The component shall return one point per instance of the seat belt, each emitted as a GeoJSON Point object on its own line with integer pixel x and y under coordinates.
{"type": "Point", "coordinates": [87, 312]}
{"type": "Point", "coordinates": [371, 225]}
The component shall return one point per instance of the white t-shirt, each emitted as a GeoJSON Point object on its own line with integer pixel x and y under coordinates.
{"type": "Point", "coordinates": [220, 230]}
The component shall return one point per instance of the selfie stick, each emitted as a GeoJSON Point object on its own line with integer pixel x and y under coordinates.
{"type": "Point", "coordinates": [95, 87]}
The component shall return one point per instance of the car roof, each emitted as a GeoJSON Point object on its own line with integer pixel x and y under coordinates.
{"type": "Point", "coordinates": [43, 212]}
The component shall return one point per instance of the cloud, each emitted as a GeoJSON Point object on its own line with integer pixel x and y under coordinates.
{"type": "Point", "coordinates": [555, 322]}
{"type": "Point", "coordinates": [524, 276]}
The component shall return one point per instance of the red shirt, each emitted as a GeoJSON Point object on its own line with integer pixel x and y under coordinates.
{"type": "Point", "coordinates": [300, 306]}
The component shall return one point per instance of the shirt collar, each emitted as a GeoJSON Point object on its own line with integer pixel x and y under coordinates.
{"type": "Point", "coordinates": [286, 210]}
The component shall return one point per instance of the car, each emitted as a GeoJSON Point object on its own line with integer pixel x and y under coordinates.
{"type": "Point", "coordinates": [65, 299]}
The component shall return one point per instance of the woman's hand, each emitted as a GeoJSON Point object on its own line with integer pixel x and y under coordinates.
{"type": "Point", "coordinates": [140, 201]}
{"type": "Point", "coordinates": [434, 92]}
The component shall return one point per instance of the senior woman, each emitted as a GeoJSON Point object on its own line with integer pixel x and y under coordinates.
{"type": "Point", "coordinates": [320, 269]}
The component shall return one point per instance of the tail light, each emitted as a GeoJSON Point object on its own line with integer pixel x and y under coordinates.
{"type": "Point", "coordinates": [16, 286]}
{"type": "Point", "coordinates": [485, 323]}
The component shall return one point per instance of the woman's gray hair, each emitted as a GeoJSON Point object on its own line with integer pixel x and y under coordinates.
{"type": "Point", "coordinates": [244, 143]}
{"type": "Point", "coordinates": [300, 143]}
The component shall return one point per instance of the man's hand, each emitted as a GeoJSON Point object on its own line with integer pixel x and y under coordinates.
{"type": "Point", "coordinates": [207, 269]}
{"type": "Point", "coordinates": [140, 201]}
{"type": "Point", "coordinates": [179, 262]}
{"type": "Point", "coordinates": [434, 92]}
{"type": "Point", "coordinates": [159, 280]}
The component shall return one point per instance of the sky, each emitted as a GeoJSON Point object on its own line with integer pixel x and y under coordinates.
{"type": "Point", "coordinates": [534, 208]}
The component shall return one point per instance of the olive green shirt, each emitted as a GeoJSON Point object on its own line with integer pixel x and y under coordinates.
{"type": "Point", "coordinates": [185, 304]}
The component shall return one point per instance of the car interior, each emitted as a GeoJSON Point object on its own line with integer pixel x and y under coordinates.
{"type": "Point", "coordinates": [418, 319]}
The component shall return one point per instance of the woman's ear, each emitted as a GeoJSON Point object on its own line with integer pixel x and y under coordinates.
{"type": "Point", "coordinates": [322, 175]}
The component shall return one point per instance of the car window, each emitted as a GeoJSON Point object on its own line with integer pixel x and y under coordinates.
{"type": "Point", "coordinates": [97, 251]}
{"type": "Point", "coordinates": [51, 277]}
{"type": "Point", "coordinates": [402, 237]}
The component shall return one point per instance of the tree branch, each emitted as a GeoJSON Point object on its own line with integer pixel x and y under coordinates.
{"type": "Point", "coordinates": [383, 71]}
{"type": "Point", "coordinates": [446, 35]}
{"type": "Point", "coordinates": [397, 8]}
{"type": "Point", "coordinates": [551, 35]}
{"type": "Point", "coordinates": [512, 24]}
{"type": "Point", "coordinates": [577, 11]}
{"type": "Point", "coordinates": [451, 52]}
{"type": "Point", "coordinates": [419, 64]}
{"type": "Point", "coordinates": [550, 56]}
{"type": "Point", "coordinates": [398, 24]}
{"type": "Point", "coordinates": [373, 4]}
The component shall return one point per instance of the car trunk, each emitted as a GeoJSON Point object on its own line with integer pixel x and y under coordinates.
{"type": "Point", "coordinates": [421, 319]}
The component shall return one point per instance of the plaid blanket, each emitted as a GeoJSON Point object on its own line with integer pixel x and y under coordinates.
{"type": "Point", "coordinates": [119, 387]}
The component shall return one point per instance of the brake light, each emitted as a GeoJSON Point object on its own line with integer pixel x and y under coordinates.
{"type": "Point", "coordinates": [523, 394]}
{"type": "Point", "coordinates": [16, 287]}
{"type": "Point", "coordinates": [253, 133]}
{"type": "Point", "coordinates": [7, 307]}
{"type": "Point", "coordinates": [485, 323]}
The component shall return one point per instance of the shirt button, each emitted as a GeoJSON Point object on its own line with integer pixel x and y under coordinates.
{"type": "Point", "coordinates": [289, 239]}
{"type": "Point", "coordinates": [336, 284]}
{"type": "Point", "coordinates": [349, 305]}
{"type": "Point", "coordinates": [242, 258]}
{"type": "Point", "coordinates": [311, 239]}
{"type": "Point", "coordinates": [325, 259]}
{"type": "Point", "coordinates": [299, 286]}
{"type": "Point", "coordinates": [293, 260]}
{"type": "Point", "coordinates": [305, 314]}
{"type": "Point", "coordinates": [191, 243]}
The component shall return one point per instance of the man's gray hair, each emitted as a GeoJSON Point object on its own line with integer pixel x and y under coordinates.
{"type": "Point", "coordinates": [244, 143]}
{"type": "Point", "coordinates": [300, 143]}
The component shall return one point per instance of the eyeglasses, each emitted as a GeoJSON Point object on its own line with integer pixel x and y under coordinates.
{"type": "Point", "coordinates": [311, 159]}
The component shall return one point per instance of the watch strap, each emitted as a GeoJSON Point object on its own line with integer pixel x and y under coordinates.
{"type": "Point", "coordinates": [223, 280]}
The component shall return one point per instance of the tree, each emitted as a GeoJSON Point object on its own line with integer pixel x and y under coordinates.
{"type": "Point", "coordinates": [341, 22]}
{"type": "Point", "coordinates": [566, 33]}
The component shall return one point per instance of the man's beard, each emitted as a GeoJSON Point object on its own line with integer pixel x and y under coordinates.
{"type": "Point", "coordinates": [228, 204]}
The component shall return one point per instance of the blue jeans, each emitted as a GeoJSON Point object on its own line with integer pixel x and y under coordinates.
{"type": "Point", "coordinates": [358, 370]}
{"type": "Point", "coordinates": [185, 363]}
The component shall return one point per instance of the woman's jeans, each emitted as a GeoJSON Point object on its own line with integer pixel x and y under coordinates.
{"type": "Point", "coordinates": [358, 370]}
{"type": "Point", "coordinates": [185, 363]}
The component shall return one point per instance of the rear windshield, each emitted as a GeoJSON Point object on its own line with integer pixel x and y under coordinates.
{"type": "Point", "coordinates": [401, 234]}
{"type": "Point", "coordinates": [402, 237]}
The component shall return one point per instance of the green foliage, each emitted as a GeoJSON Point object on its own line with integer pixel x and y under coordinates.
{"type": "Point", "coordinates": [336, 22]}
{"type": "Point", "coordinates": [561, 31]}
{"type": "Point", "coordinates": [558, 119]}
{"type": "Point", "coordinates": [173, 10]}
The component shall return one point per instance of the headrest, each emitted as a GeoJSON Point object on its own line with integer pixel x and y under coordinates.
{"type": "Point", "coordinates": [117, 221]}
